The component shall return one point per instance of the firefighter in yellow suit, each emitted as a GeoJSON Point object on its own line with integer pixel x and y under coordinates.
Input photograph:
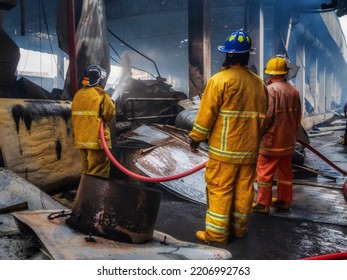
{"type": "Point", "coordinates": [230, 116]}
{"type": "Point", "coordinates": [90, 106]}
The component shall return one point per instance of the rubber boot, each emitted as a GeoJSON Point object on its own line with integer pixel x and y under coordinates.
{"type": "Point", "coordinates": [280, 203]}
{"type": "Point", "coordinates": [200, 235]}
{"type": "Point", "coordinates": [262, 209]}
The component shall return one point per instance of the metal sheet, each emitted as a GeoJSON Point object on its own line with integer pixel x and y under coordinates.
{"type": "Point", "coordinates": [148, 135]}
{"type": "Point", "coordinates": [174, 158]}
{"type": "Point", "coordinates": [14, 189]}
{"type": "Point", "coordinates": [63, 243]}
{"type": "Point", "coordinates": [169, 156]}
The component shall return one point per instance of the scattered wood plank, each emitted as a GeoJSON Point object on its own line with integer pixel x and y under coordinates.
{"type": "Point", "coordinates": [313, 170]}
{"type": "Point", "coordinates": [314, 134]}
{"type": "Point", "coordinates": [316, 184]}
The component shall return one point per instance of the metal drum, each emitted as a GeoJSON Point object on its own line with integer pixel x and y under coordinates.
{"type": "Point", "coordinates": [115, 210]}
{"type": "Point", "coordinates": [186, 118]}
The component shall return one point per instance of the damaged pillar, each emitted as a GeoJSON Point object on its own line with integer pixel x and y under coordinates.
{"type": "Point", "coordinates": [199, 45]}
{"type": "Point", "coordinates": [9, 54]}
{"type": "Point", "coordinates": [254, 24]}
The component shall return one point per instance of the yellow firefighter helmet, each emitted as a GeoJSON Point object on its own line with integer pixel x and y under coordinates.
{"type": "Point", "coordinates": [277, 65]}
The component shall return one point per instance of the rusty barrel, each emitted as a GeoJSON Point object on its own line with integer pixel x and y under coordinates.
{"type": "Point", "coordinates": [115, 209]}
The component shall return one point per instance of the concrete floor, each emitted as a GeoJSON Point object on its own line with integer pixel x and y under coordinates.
{"type": "Point", "coordinates": [281, 235]}
{"type": "Point", "coordinates": [315, 225]}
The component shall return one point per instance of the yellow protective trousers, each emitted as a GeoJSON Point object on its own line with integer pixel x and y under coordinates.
{"type": "Point", "coordinates": [267, 167]}
{"type": "Point", "coordinates": [95, 162]}
{"type": "Point", "coordinates": [230, 195]}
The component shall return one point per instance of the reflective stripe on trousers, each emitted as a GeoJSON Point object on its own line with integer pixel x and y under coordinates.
{"type": "Point", "coordinates": [230, 195]}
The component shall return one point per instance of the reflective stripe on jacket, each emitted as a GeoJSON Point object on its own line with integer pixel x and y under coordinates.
{"type": "Point", "coordinates": [283, 118]}
{"type": "Point", "coordinates": [90, 106]}
{"type": "Point", "coordinates": [231, 114]}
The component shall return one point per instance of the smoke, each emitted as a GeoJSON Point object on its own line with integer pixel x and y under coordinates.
{"type": "Point", "coordinates": [117, 87]}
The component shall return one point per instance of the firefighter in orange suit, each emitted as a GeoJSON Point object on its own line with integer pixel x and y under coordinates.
{"type": "Point", "coordinates": [230, 116]}
{"type": "Point", "coordinates": [282, 123]}
{"type": "Point", "coordinates": [90, 106]}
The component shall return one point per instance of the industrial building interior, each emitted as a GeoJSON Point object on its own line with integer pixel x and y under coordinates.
{"type": "Point", "coordinates": [170, 46]}
{"type": "Point", "coordinates": [166, 32]}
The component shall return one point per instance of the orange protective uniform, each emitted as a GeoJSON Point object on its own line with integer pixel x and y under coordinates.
{"type": "Point", "coordinates": [282, 123]}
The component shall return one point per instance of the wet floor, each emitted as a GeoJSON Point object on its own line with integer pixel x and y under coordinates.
{"type": "Point", "coordinates": [315, 225]}
{"type": "Point", "coordinates": [270, 237]}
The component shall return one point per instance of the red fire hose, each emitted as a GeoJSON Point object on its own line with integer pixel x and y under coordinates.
{"type": "Point", "coordinates": [333, 256]}
{"type": "Point", "coordinates": [344, 188]}
{"type": "Point", "coordinates": [137, 176]}
{"type": "Point", "coordinates": [197, 168]}
{"type": "Point", "coordinates": [322, 157]}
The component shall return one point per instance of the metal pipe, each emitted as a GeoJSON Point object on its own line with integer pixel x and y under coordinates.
{"type": "Point", "coordinates": [22, 17]}
{"type": "Point", "coordinates": [14, 208]}
{"type": "Point", "coordinates": [72, 46]}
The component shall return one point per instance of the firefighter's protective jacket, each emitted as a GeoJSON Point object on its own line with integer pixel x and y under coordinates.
{"type": "Point", "coordinates": [283, 118]}
{"type": "Point", "coordinates": [231, 115]}
{"type": "Point", "coordinates": [89, 107]}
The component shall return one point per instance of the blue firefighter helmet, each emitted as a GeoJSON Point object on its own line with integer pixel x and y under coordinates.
{"type": "Point", "coordinates": [238, 42]}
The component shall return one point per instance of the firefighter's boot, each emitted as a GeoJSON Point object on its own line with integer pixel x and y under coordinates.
{"type": "Point", "coordinates": [280, 203]}
{"type": "Point", "coordinates": [200, 235]}
{"type": "Point", "coordinates": [259, 208]}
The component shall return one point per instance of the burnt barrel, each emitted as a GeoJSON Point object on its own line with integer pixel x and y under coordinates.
{"type": "Point", "coordinates": [115, 209]}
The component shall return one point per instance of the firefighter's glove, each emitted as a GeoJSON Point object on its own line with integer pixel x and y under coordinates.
{"type": "Point", "coordinates": [194, 146]}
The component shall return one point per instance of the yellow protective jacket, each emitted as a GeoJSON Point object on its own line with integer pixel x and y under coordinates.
{"type": "Point", "coordinates": [89, 107]}
{"type": "Point", "coordinates": [231, 115]}
{"type": "Point", "coordinates": [283, 118]}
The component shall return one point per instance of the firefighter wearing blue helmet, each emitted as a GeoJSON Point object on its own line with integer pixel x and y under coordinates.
{"type": "Point", "coordinates": [231, 116]}
{"type": "Point", "coordinates": [237, 42]}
